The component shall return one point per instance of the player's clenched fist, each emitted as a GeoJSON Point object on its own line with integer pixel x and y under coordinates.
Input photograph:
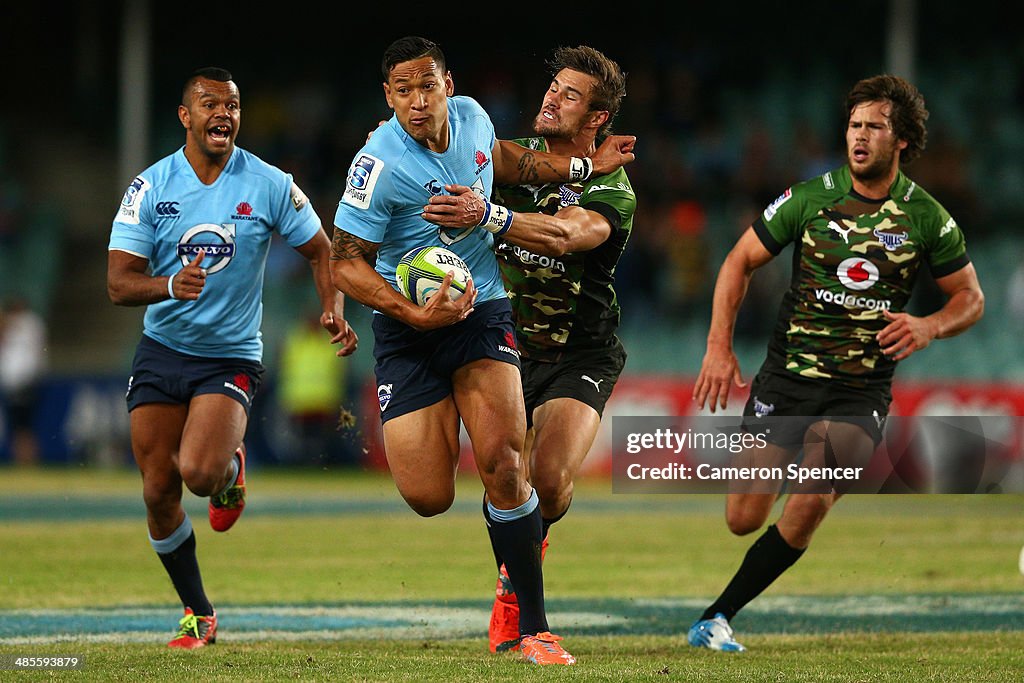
{"type": "Point", "coordinates": [188, 282]}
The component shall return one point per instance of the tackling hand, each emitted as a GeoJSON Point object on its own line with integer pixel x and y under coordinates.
{"type": "Point", "coordinates": [461, 208]}
{"type": "Point", "coordinates": [615, 151]}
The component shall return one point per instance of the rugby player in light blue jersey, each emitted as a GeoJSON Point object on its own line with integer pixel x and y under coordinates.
{"type": "Point", "coordinates": [190, 242]}
{"type": "Point", "coordinates": [450, 360]}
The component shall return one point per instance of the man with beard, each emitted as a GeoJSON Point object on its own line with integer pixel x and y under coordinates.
{"type": "Point", "coordinates": [558, 262]}
{"type": "Point", "coordinates": [860, 234]}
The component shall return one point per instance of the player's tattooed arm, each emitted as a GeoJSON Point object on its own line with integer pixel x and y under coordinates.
{"type": "Point", "coordinates": [518, 165]}
{"type": "Point", "coordinates": [515, 164]}
{"type": "Point", "coordinates": [346, 246]}
{"type": "Point", "coordinates": [528, 169]}
{"type": "Point", "coordinates": [353, 275]}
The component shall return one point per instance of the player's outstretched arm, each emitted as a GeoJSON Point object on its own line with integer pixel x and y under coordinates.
{"type": "Point", "coordinates": [720, 369]}
{"type": "Point", "coordinates": [965, 304]}
{"type": "Point", "coordinates": [352, 274]}
{"type": "Point", "coordinates": [130, 284]}
{"type": "Point", "coordinates": [332, 301]}
{"type": "Point", "coordinates": [518, 165]}
{"type": "Point", "coordinates": [572, 229]}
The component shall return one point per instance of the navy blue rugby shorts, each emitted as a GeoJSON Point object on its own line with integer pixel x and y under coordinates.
{"type": "Point", "coordinates": [163, 375]}
{"type": "Point", "coordinates": [414, 369]}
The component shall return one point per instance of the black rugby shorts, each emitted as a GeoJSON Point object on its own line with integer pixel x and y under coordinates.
{"type": "Point", "coordinates": [782, 405]}
{"type": "Point", "coordinates": [587, 375]}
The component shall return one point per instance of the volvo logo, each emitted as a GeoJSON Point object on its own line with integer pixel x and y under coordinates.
{"type": "Point", "coordinates": [216, 241]}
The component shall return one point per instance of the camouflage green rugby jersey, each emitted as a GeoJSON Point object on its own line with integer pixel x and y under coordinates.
{"type": "Point", "coordinates": [853, 258]}
{"type": "Point", "coordinates": [566, 302]}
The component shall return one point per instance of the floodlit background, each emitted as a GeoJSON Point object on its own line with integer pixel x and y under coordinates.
{"type": "Point", "coordinates": [730, 104]}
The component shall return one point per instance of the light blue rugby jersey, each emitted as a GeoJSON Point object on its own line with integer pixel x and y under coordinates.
{"type": "Point", "coordinates": [393, 176]}
{"type": "Point", "coordinates": [167, 215]}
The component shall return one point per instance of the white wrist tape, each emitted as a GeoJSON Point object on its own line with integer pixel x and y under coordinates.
{"type": "Point", "coordinates": [170, 287]}
{"type": "Point", "coordinates": [497, 219]}
{"type": "Point", "coordinates": [580, 168]}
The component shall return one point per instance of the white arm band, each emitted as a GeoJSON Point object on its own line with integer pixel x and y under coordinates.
{"type": "Point", "coordinates": [580, 168]}
{"type": "Point", "coordinates": [170, 287]}
{"type": "Point", "coordinates": [497, 219]}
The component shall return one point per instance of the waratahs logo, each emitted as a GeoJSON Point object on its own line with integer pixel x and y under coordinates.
{"type": "Point", "coordinates": [243, 212]}
{"type": "Point", "coordinates": [481, 161]}
{"type": "Point", "coordinates": [509, 346]}
{"type": "Point", "coordinates": [216, 241]}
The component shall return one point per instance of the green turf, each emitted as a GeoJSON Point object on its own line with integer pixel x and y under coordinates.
{"type": "Point", "coordinates": [888, 657]}
{"type": "Point", "coordinates": [77, 539]}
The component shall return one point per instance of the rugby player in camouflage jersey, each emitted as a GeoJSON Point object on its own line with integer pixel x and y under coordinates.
{"type": "Point", "coordinates": [558, 261]}
{"type": "Point", "coordinates": [860, 235]}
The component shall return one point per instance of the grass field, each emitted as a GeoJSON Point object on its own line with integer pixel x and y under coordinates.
{"type": "Point", "coordinates": [330, 577]}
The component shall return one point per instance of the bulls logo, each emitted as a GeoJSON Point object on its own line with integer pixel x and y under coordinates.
{"type": "Point", "coordinates": [762, 409]}
{"type": "Point", "coordinates": [891, 241]}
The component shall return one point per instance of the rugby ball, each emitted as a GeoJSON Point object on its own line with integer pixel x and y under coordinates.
{"type": "Point", "coordinates": [422, 270]}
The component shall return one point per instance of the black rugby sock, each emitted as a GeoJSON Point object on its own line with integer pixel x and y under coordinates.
{"type": "Point", "coordinates": [490, 533]}
{"type": "Point", "coordinates": [517, 541]}
{"type": "Point", "coordinates": [545, 526]}
{"type": "Point", "coordinates": [547, 522]}
{"type": "Point", "coordinates": [182, 566]}
{"type": "Point", "coordinates": [766, 560]}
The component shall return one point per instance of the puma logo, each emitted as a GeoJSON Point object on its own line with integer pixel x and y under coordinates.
{"type": "Point", "coordinates": [596, 383]}
{"type": "Point", "coordinates": [832, 225]}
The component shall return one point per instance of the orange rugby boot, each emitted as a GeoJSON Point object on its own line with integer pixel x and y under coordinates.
{"type": "Point", "coordinates": [226, 507]}
{"type": "Point", "coordinates": [195, 632]}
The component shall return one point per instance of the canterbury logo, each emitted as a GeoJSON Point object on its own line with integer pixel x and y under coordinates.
{"type": "Point", "coordinates": [167, 209]}
{"type": "Point", "coordinates": [596, 383]}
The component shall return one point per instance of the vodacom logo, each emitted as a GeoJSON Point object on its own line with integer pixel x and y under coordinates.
{"type": "Point", "coordinates": [857, 273]}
